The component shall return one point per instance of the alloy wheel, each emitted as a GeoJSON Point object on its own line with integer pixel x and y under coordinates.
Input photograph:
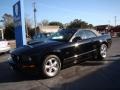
{"type": "Point", "coordinates": [51, 67]}
{"type": "Point", "coordinates": [103, 51]}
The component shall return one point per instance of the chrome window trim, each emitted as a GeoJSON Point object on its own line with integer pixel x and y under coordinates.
{"type": "Point", "coordinates": [80, 54]}
{"type": "Point", "coordinates": [92, 30]}
{"type": "Point", "coordinates": [73, 36]}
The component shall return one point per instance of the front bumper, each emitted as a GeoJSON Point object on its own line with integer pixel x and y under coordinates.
{"type": "Point", "coordinates": [21, 67]}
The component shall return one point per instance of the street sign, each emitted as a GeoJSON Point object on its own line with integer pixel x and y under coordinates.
{"type": "Point", "coordinates": [19, 22]}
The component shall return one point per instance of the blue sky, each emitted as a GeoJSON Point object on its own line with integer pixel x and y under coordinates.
{"type": "Point", "coordinates": [96, 12]}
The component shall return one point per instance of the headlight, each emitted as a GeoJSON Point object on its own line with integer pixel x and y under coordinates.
{"type": "Point", "coordinates": [29, 58]}
{"type": "Point", "coordinates": [11, 51]}
{"type": "Point", "coordinates": [9, 58]}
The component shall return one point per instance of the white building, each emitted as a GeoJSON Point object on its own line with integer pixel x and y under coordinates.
{"type": "Point", "coordinates": [49, 29]}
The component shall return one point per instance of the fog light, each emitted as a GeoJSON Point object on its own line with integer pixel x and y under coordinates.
{"type": "Point", "coordinates": [30, 59]}
{"type": "Point", "coordinates": [9, 58]}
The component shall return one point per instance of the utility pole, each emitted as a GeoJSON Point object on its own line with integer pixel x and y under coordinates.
{"type": "Point", "coordinates": [35, 21]}
{"type": "Point", "coordinates": [108, 25]}
{"type": "Point", "coordinates": [115, 20]}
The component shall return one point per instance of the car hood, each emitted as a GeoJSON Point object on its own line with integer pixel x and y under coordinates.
{"type": "Point", "coordinates": [36, 47]}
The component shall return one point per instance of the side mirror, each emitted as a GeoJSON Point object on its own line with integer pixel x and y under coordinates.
{"type": "Point", "coordinates": [77, 39]}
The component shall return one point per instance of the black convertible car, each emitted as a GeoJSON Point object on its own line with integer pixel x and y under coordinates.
{"type": "Point", "coordinates": [62, 48]}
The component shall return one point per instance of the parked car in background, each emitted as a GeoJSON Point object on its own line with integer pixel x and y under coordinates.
{"type": "Point", "coordinates": [37, 38]}
{"type": "Point", "coordinates": [61, 49]}
{"type": "Point", "coordinates": [40, 37]}
{"type": "Point", "coordinates": [4, 46]}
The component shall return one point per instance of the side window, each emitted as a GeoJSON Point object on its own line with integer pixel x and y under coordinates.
{"type": "Point", "coordinates": [81, 34]}
{"type": "Point", "coordinates": [89, 34]}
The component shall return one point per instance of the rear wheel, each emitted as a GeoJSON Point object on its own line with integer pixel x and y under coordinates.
{"type": "Point", "coordinates": [51, 66]}
{"type": "Point", "coordinates": [102, 52]}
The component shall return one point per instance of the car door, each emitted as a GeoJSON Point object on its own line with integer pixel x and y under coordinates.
{"type": "Point", "coordinates": [84, 46]}
{"type": "Point", "coordinates": [68, 52]}
{"type": "Point", "coordinates": [94, 42]}
{"type": "Point", "coordinates": [72, 51]}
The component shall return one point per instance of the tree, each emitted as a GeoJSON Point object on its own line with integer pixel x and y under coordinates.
{"type": "Point", "coordinates": [9, 32]}
{"type": "Point", "coordinates": [7, 19]}
{"type": "Point", "coordinates": [76, 24]}
{"type": "Point", "coordinates": [56, 23]}
{"type": "Point", "coordinates": [90, 26]}
{"type": "Point", "coordinates": [45, 22]}
{"type": "Point", "coordinates": [28, 27]}
{"type": "Point", "coordinates": [31, 33]}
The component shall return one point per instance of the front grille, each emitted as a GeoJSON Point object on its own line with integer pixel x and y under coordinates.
{"type": "Point", "coordinates": [20, 59]}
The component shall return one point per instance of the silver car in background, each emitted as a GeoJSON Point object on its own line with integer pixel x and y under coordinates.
{"type": "Point", "coordinates": [4, 46]}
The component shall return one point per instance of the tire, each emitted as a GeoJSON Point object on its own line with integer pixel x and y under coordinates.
{"type": "Point", "coordinates": [102, 52]}
{"type": "Point", "coordinates": [51, 66]}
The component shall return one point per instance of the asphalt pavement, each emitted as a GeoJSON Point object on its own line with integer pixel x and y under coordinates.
{"type": "Point", "coordinates": [89, 75]}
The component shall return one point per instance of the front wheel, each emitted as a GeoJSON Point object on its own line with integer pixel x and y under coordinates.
{"type": "Point", "coordinates": [51, 66]}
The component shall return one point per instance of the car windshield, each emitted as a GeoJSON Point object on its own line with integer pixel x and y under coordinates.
{"type": "Point", "coordinates": [62, 35]}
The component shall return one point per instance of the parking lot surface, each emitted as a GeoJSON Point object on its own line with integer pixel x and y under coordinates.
{"type": "Point", "coordinates": [88, 75]}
